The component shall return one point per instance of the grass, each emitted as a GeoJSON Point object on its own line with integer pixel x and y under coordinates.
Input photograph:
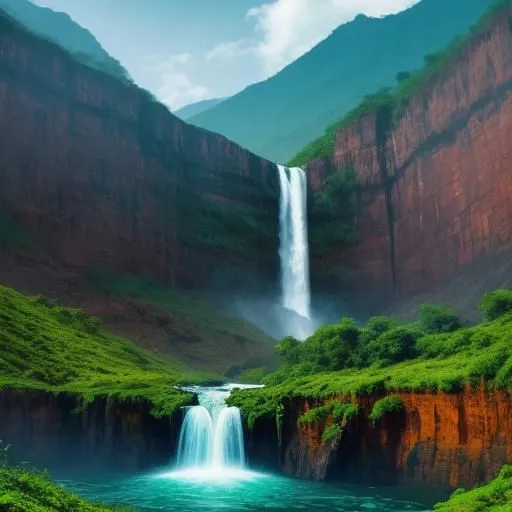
{"type": "Point", "coordinates": [397, 99]}
{"type": "Point", "coordinates": [447, 363]}
{"type": "Point", "coordinates": [47, 347]}
{"type": "Point", "coordinates": [493, 497]}
{"type": "Point", "coordinates": [202, 336]}
{"type": "Point", "coordinates": [29, 491]}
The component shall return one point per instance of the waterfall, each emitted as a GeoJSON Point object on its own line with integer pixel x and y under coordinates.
{"type": "Point", "coordinates": [293, 251]}
{"type": "Point", "coordinates": [196, 438]}
{"type": "Point", "coordinates": [211, 440]}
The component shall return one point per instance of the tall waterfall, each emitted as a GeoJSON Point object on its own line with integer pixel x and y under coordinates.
{"type": "Point", "coordinates": [211, 443]}
{"type": "Point", "coordinates": [293, 251]}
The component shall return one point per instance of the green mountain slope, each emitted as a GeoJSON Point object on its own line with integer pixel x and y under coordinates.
{"type": "Point", "coordinates": [280, 116]}
{"type": "Point", "coordinates": [195, 109]}
{"type": "Point", "coordinates": [52, 348]}
{"type": "Point", "coordinates": [61, 29]}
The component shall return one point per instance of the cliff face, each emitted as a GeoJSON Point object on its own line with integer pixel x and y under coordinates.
{"type": "Point", "coordinates": [438, 439]}
{"type": "Point", "coordinates": [438, 191]}
{"type": "Point", "coordinates": [60, 431]}
{"type": "Point", "coordinates": [105, 177]}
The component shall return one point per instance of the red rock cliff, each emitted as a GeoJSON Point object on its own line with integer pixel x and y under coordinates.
{"type": "Point", "coordinates": [438, 439]}
{"type": "Point", "coordinates": [107, 178]}
{"type": "Point", "coordinates": [439, 188]}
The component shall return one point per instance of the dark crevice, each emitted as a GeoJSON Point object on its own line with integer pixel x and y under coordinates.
{"type": "Point", "coordinates": [383, 125]}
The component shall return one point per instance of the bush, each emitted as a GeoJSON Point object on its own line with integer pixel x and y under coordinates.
{"type": "Point", "coordinates": [496, 304]}
{"type": "Point", "coordinates": [438, 319]}
{"type": "Point", "coordinates": [394, 346]}
{"type": "Point", "coordinates": [390, 404]}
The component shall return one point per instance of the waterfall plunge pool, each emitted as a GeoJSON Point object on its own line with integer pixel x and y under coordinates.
{"type": "Point", "coordinates": [210, 474]}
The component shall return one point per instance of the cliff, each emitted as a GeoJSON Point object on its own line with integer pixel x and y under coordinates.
{"type": "Point", "coordinates": [104, 177]}
{"type": "Point", "coordinates": [437, 188]}
{"type": "Point", "coordinates": [61, 431]}
{"type": "Point", "coordinates": [438, 439]}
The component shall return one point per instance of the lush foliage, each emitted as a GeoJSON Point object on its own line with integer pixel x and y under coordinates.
{"type": "Point", "coordinates": [437, 319]}
{"type": "Point", "coordinates": [409, 84]}
{"type": "Point", "coordinates": [496, 304]}
{"type": "Point", "coordinates": [332, 212]}
{"type": "Point", "coordinates": [48, 347]}
{"type": "Point", "coordinates": [340, 412]}
{"type": "Point", "coordinates": [28, 491]}
{"type": "Point", "coordinates": [386, 405]}
{"type": "Point", "coordinates": [384, 357]}
{"type": "Point", "coordinates": [493, 497]}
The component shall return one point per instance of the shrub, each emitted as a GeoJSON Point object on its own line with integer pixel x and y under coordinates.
{"type": "Point", "coordinates": [331, 433]}
{"type": "Point", "coordinates": [390, 404]}
{"type": "Point", "coordinates": [394, 346]}
{"type": "Point", "coordinates": [438, 319]}
{"type": "Point", "coordinates": [496, 304]}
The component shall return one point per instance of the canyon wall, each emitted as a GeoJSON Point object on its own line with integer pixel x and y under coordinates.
{"type": "Point", "coordinates": [444, 440]}
{"type": "Point", "coordinates": [437, 186]}
{"type": "Point", "coordinates": [105, 178]}
{"type": "Point", "coordinates": [60, 431]}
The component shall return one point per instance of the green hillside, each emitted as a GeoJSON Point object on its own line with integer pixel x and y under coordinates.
{"type": "Point", "coordinates": [52, 348]}
{"type": "Point", "coordinates": [280, 116]}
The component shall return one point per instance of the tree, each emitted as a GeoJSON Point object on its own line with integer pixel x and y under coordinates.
{"type": "Point", "coordinates": [496, 304]}
{"type": "Point", "coordinates": [438, 319]}
{"type": "Point", "coordinates": [402, 76]}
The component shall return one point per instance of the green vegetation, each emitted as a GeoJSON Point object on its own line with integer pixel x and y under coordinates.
{"type": "Point", "coordinates": [395, 100]}
{"type": "Point", "coordinates": [340, 412]}
{"type": "Point", "coordinates": [201, 334]}
{"type": "Point", "coordinates": [496, 304]}
{"type": "Point", "coordinates": [61, 350]}
{"type": "Point", "coordinates": [385, 357]}
{"type": "Point", "coordinates": [493, 497]}
{"type": "Point", "coordinates": [332, 212]}
{"type": "Point", "coordinates": [387, 405]}
{"type": "Point", "coordinates": [29, 491]}
{"type": "Point", "coordinates": [436, 319]}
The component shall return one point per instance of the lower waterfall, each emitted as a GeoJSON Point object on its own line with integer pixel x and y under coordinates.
{"type": "Point", "coordinates": [211, 442]}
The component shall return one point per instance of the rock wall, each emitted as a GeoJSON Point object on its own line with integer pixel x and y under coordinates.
{"type": "Point", "coordinates": [106, 178]}
{"type": "Point", "coordinates": [59, 431]}
{"type": "Point", "coordinates": [445, 440]}
{"type": "Point", "coordinates": [438, 187]}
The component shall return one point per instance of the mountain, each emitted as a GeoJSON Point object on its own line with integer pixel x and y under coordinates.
{"type": "Point", "coordinates": [278, 117]}
{"type": "Point", "coordinates": [61, 29]}
{"type": "Point", "coordinates": [195, 109]}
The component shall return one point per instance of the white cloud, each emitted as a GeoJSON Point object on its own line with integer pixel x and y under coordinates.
{"type": "Point", "coordinates": [230, 49]}
{"type": "Point", "coordinates": [290, 28]}
{"type": "Point", "coordinates": [176, 89]}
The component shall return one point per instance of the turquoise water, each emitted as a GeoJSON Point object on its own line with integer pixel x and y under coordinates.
{"type": "Point", "coordinates": [242, 491]}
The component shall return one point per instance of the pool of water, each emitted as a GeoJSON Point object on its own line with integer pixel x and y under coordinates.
{"type": "Point", "coordinates": [239, 490]}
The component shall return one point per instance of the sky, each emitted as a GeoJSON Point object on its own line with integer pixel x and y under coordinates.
{"type": "Point", "coordinates": [186, 51]}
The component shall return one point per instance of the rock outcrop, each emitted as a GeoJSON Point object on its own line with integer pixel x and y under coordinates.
{"type": "Point", "coordinates": [444, 440]}
{"type": "Point", "coordinates": [61, 431]}
{"type": "Point", "coordinates": [438, 188]}
{"type": "Point", "coordinates": [105, 177]}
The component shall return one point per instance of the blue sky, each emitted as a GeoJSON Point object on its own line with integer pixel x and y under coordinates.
{"type": "Point", "coordinates": [189, 50]}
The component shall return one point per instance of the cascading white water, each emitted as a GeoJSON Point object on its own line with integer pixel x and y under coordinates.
{"type": "Point", "coordinates": [293, 251]}
{"type": "Point", "coordinates": [211, 443]}
{"type": "Point", "coordinates": [196, 438]}
{"type": "Point", "coordinates": [228, 441]}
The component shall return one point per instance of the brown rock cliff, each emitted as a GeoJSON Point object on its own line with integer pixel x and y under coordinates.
{"type": "Point", "coordinates": [106, 178]}
{"type": "Point", "coordinates": [444, 440]}
{"type": "Point", "coordinates": [438, 186]}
